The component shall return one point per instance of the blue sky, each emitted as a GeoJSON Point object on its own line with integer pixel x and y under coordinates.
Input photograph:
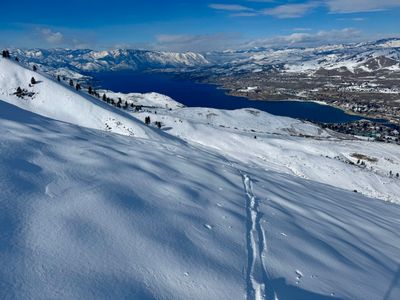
{"type": "Point", "coordinates": [194, 25]}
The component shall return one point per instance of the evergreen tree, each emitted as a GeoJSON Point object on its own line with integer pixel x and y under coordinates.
{"type": "Point", "coordinates": [34, 68]}
{"type": "Point", "coordinates": [90, 90]}
{"type": "Point", "coordinates": [33, 80]}
{"type": "Point", "coordinates": [16, 59]}
{"type": "Point", "coordinates": [71, 83]}
{"type": "Point", "coordinates": [58, 78]}
{"type": "Point", "coordinates": [147, 120]}
{"type": "Point", "coordinates": [5, 54]}
{"type": "Point", "coordinates": [104, 97]}
{"type": "Point", "coordinates": [19, 91]}
{"type": "Point", "coordinates": [77, 86]}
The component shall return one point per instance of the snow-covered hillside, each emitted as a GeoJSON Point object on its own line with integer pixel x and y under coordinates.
{"type": "Point", "coordinates": [215, 205]}
{"type": "Point", "coordinates": [289, 146]}
{"type": "Point", "coordinates": [60, 102]}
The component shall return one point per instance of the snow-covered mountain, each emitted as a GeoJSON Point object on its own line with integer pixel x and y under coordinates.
{"type": "Point", "coordinates": [88, 60]}
{"type": "Point", "coordinates": [381, 55]}
{"type": "Point", "coordinates": [371, 57]}
{"type": "Point", "coordinates": [214, 205]}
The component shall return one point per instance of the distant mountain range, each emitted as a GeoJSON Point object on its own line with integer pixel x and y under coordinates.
{"type": "Point", "coordinates": [74, 62]}
{"type": "Point", "coordinates": [361, 58]}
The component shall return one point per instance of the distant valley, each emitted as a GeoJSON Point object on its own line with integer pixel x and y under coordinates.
{"type": "Point", "coordinates": [360, 79]}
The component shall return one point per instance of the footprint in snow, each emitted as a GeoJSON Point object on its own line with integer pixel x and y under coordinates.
{"type": "Point", "coordinates": [209, 227]}
{"type": "Point", "coordinates": [299, 276]}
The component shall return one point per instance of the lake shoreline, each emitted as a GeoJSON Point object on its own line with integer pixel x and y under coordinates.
{"type": "Point", "coordinates": [194, 92]}
{"type": "Point", "coordinates": [280, 98]}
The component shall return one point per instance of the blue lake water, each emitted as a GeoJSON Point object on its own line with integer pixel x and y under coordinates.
{"type": "Point", "coordinates": [194, 94]}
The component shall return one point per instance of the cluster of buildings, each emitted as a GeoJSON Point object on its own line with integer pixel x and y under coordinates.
{"type": "Point", "coordinates": [374, 131]}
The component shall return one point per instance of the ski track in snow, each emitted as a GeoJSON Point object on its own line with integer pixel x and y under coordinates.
{"type": "Point", "coordinates": [256, 275]}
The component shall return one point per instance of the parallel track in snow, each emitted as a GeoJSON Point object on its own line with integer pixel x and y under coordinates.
{"type": "Point", "coordinates": [256, 275]}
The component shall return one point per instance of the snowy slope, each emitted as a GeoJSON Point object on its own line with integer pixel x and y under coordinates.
{"type": "Point", "coordinates": [89, 215]}
{"type": "Point", "coordinates": [148, 99]}
{"type": "Point", "coordinates": [198, 210]}
{"type": "Point", "coordinates": [62, 102]}
{"type": "Point", "coordinates": [288, 146]}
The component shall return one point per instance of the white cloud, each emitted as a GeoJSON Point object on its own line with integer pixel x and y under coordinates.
{"type": "Point", "coordinates": [301, 29]}
{"type": "Point", "coordinates": [197, 43]}
{"type": "Point", "coordinates": [352, 6]}
{"type": "Point", "coordinates": [303, 39]}
{"type": "Point", "coordinates": [297, 10]}
{"type": "Point", "coordinates": [230, 7]}
{"type": "Point", "coordinates": [245, 14]}
{"type": "Point", "coordinates": [220, 42]}
{"type": "Point", "coordinates": [290, 10]}
{"type": "Point", "coordinates": [51, 37]}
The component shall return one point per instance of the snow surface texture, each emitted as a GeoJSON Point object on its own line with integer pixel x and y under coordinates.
{"type": "Point", "coordinates": [289, 146]}
{"type": "Point", "coordinates": [90, 214]}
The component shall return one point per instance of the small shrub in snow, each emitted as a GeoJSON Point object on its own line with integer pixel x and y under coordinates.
{"type": "Point", "coordinates": [21, 93]}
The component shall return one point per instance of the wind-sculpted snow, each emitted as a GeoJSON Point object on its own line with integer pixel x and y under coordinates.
{"type": "Point", "coordinates": [214, 205]}
{"type": "Point", "coordinates": [289, 146]}
{"type": "Point", "coordinates": [86, 214]}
